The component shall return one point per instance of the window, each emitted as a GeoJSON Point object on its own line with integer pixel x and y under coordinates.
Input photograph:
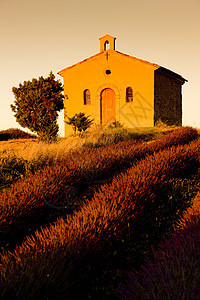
{"type": "Point", "coordinates": [129, 94]}
{"type": "Point", "coordinates": [87, 97]}
{"type": "Point", "coordinates": [106, 45]}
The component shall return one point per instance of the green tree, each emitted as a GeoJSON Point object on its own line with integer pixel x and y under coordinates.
{"type": "Point", "coordinates": [80, 122]}
{"type": "Point", "coordinates": [37, 104]}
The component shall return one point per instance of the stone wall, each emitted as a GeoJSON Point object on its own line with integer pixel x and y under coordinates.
{"type": "Point", "coordinates": [167, 98]}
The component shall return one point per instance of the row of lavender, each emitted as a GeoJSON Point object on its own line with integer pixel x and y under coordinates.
{"type": "Point", "coordinates": [60, 260]}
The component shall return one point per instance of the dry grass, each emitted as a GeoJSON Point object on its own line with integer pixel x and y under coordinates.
{"type": "Point", "coordinates": [30, 149]}
{"type": "Point", "coordinates": [106, 135]}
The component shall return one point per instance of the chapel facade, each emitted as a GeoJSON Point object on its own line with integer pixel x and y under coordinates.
{"type": "Point", "coordinates": [112, 86]}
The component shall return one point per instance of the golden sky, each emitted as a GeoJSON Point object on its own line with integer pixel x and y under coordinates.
{"type": "Point", "coordinates": [43, 35]}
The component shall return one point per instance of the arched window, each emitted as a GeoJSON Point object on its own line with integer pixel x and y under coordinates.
{"type": "Point", "coordinates": [87, 97]}
{"type": "Point", "coordinates": [106, 45]}
{"type": "Point", "coordinates": [129, 94]}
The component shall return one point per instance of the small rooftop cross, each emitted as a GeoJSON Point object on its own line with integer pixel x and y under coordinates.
{"type": "Point", "coordinates": [107, 55]}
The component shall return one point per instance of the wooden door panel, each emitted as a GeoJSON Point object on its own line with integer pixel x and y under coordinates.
{"type": "Point", "coordinates": [108, 106]}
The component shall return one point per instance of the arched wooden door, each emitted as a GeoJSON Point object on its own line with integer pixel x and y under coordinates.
{"type": "Point", "coordinates": [107, 106]}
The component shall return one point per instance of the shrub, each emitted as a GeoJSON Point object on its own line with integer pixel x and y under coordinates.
{"type": "Point", "coordinates": [36, 105]}
{"type": "Point", "coordinates": [115, 124]}
{"type": "Point", "coordinates": [11, 169]}
{"type": "Point", "coordinates": [14, 133]}
{"type": "Point", "coordinates": [79, 122]}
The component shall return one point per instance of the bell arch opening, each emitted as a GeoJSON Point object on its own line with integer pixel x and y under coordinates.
{"type": "Point", "coordinates": [106, 45]}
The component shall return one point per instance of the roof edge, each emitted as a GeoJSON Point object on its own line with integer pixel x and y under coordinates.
{"type": "Point", "coordinates": [172, 74]}
{"type": "Point", "coordinates": [78, 63]}
{"type": "Point", "coordinates": [107, 36]}
{"type": "Point", "coordinates": [139, 59]}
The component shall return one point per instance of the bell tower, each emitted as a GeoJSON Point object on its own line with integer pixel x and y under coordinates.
{"type": "Point", "coordinates": [107, 42]}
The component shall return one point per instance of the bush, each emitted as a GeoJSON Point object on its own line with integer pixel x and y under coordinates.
{"type": "Point", "coordinates": [36, 106]}
{"type": "Point", "coordinates": [115, 124]}
{"type": "Point", "coordinates": [14, 133]}
{"type": "Point", "coordinates": [11, 169]}
{"type": "Point", "coordinates": [80, 122]}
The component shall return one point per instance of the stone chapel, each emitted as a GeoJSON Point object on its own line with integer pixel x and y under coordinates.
{"type": "Point", "coordinates": [112, 86]}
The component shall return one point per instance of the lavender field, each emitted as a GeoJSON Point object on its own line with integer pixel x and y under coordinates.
{"type": "Point", "coordinates": [114, 221]}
